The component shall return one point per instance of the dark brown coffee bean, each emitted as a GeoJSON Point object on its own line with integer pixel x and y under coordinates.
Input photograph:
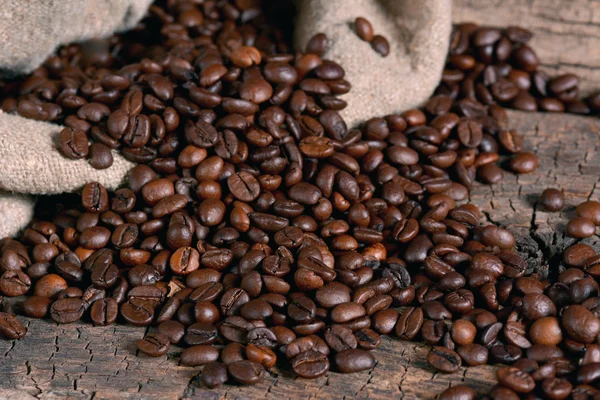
{"type": "Point", "coordinates": [381, 45]}
{"type": "Point", "coordinates": [310, 364]}
{"type": "Point", "coordinates": [104, 311]}
{"type": "Point", "coordinates": [153, 345]}
{"type": "Point", "coordinates": [363, 29]}
{"type": "Point", "coordinates": [552, 200]}
{"type": "Point", "coordinates": [515, 379]}
{"type": "Point", "coordinates": [66, 311]}
{"type": "Point", "coordinates": [11, 327]}
{"type": "Point", "coordinates": [74, 143]}
{"type": "Point", "coordinates": [458, 392]}
{"type": "Point", "coordinates": [246, 372]}
{"type": "Point", "coordinates": [443, 359]}
{"type": "Point", "coordinates": [214, 375]}
{"type": "Point", "coordinates": [198, 355]}
{"type": "Point", "coordinates": [580, 227]}
{"type": "Point", "coordinates": [14, 283]}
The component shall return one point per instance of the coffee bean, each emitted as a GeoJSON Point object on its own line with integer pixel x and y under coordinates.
{"type": "Point", "coordinates": [74, 143]}
{"type": "Point", "coordinates": [200, 333]}
{"type": "Point", "coordinates": [153, 345]}
{"type": "Point", "coordinates": [36, 306]}
{"type": "Point", "coordinates": [580, 227]}
{"type": "Point", "coordinates": [340, 338]}
{"type": "Point", "coordinates": [443, 359]}
{"type": "Point", "coordinates": [11, 327]}
{"type": "Point", "coordinates": [246, 372]}
{"type": "Point", "coordinates": [104, 311]}
{"type": "Point", "coordinates": [381, 45]}
{"type": "Point", "coordinates": [310, 364]}
{"type": "Point", "coordinates": [552, 200]}
{"type": "Point", "coordinates": [364, 29]}
{"type": "Point", "coordinates": [515, 379]}
{"type": "Point", "coordinates": [66, 311]}
{"type": "Point", "coordinates": [137, 312]}
{"type": "Point", "coordinates": [458, 392]}
{"type": "Point", "coordinates": [198, 355]}
{"type": "Point", "coordinates": [14, 283]}
{"type": "Point", "coordinates": [524, 162]}
{"type": "Point", "coordinates": [354, 360]}
{"type": "Point", "coordinates": [580, 324]}
{"type": "Point", "coordinates": [214, 375]}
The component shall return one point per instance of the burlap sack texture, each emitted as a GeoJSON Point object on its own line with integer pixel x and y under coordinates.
{"type": "Point", "coordinates": [29, 163]}
{"type": "Point", "coordinates": [418, 32]}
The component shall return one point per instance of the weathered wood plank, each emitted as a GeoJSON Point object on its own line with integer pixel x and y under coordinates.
{"type": "Point", "coordinates": [82, 361]}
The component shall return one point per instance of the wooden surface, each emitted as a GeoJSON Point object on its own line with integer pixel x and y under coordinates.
{"type": "Point", "coordinates": [85, 362]}
{"type": "Point", "coordinates": [567, 32]}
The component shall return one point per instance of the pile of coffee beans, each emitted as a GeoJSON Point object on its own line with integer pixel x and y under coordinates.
{"type": "Point", "coordinates": [258, 226]}
{"type": "Point", "coordinates": [496, 66]}
{"type": "Point", "coordinates": [364, 30]}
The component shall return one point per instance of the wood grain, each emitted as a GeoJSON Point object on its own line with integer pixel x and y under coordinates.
{"type": "Point", "coordinates": [567, 33]}
{"type": "Point", "coordinates": [85, 362]}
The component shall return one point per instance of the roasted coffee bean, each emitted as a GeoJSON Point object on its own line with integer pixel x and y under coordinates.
{"type": "Point", "coordinates": [153, 345]}
{"type": "Point", "coordinates": [198, 355]}
{"type": "Point", "coordinates": [354, 360]}
{"type": "Point", "coordinates": [580, 227]}
{"type": "Point", "coordinates": [580, 324]}
{"type": "Point", "coordinates": [515, 379]}
{"type": "Point", "coordinates": [137, 311]}
{"type": "Point", "coordinates": [74, 143]}
{"type": "Point", "coordinates": [246, 372]}
{"type": "Point", "coordinates": [200, 333]}
{"type": "Point", "coordinates": [104, 311]}
{"type": "Point", "coordinates": [458, 392]}
{"type": "Point", "coordinates": [214, 375]}
{"type": "Point", "coordinates": [36, 306]}
{"type": "Point", "coordinates": [11, 327]}
{"type": "Point", "coordinates": [310, 364]}
{"type": "Point", "coordinates": [552, 200]}
{"type": "Point", "coordinates": [364, 29]}
{"type": "Point", "coordinates": [66, 311]}
{"type": "Point", "coordinates": [14, 283]}
{"type": "Point", "coordinates": [443, 359]}
{"type": "Point", "coordinates": [340, 338]}
{"type": "Point", "coordinates": [381, 45]}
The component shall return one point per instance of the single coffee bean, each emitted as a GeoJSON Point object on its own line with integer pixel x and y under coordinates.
{"type": "Point", "coordinates": [66, 311]}
{"type": "Point", "coordinates": [153, 345]}
{"type": "Point", "coordinates": [580, 227]}
{"type": "Point", "coordinates": [515, 379]}
{"type": "Point", "coordinates": [443, 359]}
{"type": "Point", "coordinates": [310, 364]}
{"type": "Point", "coordinates": [381, 45]}
{"type": "Point", "coordinates": [354, 360]}
{"type": "Point", "coordinates": [246, 372]}
{"type": "Point", "coordinates": [552, 200]}
{"type": "Point", "coordinates": [198, 355]}
{"type": "Point", "coordinates": [104, 311]}
{"type": "Point", "coordinates": [214, 375]}
{"type": "Point", "coordinates": [11, 327]}
{"type": "Point", "coordinates": [364, 29]}
{"type": "Point", "coordinates": [458, 392]}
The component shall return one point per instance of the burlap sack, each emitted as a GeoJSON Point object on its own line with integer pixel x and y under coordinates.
{"type": "Point", "coordinates": [418, 33]}
{"type": "Point", "coordinates": [30, 30]}
{"type": "Point", "coordinates": [29, 161]}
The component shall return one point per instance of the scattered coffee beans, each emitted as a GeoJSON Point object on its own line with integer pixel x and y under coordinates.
{"type": "Point", "coordinates": [256, 219]}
